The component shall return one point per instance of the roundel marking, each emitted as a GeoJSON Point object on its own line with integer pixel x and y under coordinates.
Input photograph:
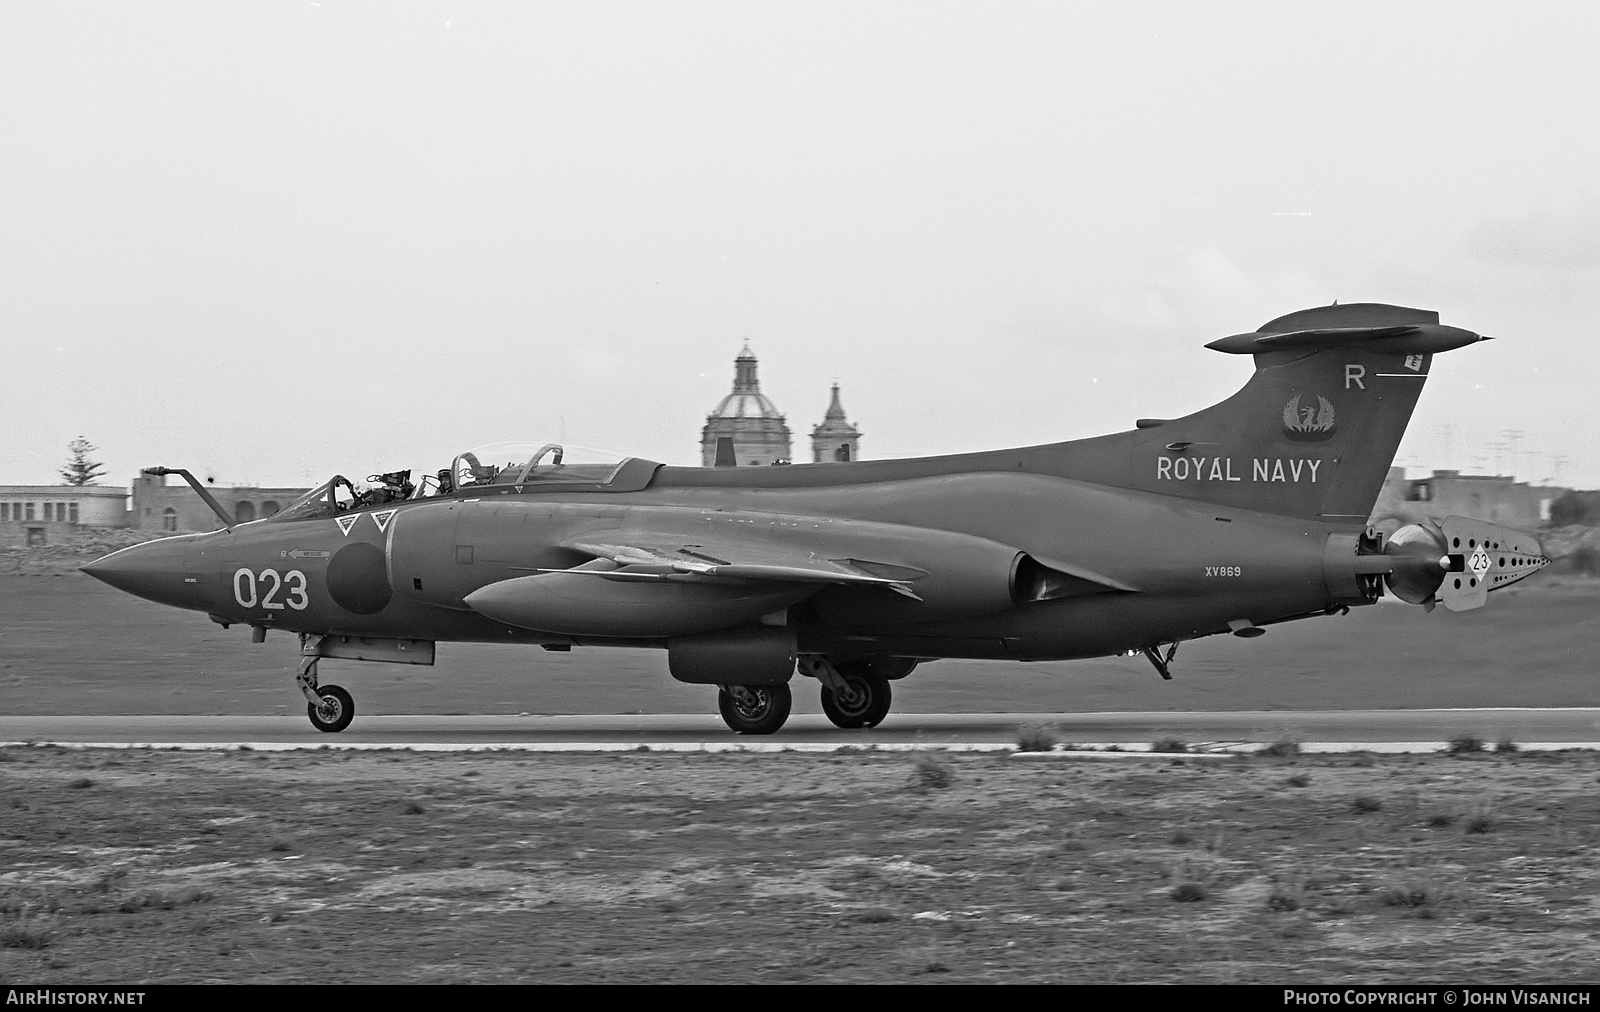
{"type": "Point", "coordinates": [358, 580]}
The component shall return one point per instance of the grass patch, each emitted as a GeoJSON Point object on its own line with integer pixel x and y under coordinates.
{"type": "Point", "coordinates": [1282, 748]}
{"type": "Point", "coordinates": [80, 783]}
{"type": "Point", "coordinates": [23, 936]}
{"type": "Point", "coordinates": [931, 774]}
{"type": "Point", "coordinates": [1418, 897]}
{"type": "Point", "coordinates": [1035, 738]}
{"type": "Point", "coordinates": [1480, 817]}
{"type": "Point", "coordinates": [927, 960]}
{"type": "Point", "coordinates": [1464, 744]}
{"type": "Point", "coordinates": [1188, 892]}
{"type": "Point", "coordinates": [1286, 896]}
{"type": "Point", "coordinates": [1299, 780]}
{"type": "Point", "coordinates": [1176, 745]}
{"type": "Point", "coordinates": [1366, 803]}
{"type": "Point", "coordinates": [1505, 745]}
{"type": "Point", "coordinates": [162, 899]}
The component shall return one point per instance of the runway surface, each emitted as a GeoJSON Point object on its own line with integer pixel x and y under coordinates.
{"type": "Point", "coordinates": [1313, 730]}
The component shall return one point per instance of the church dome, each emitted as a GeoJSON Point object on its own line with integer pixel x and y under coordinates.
{"type": "Point", "coordinates": [757, 429]}
{"type": "Point", "coordinates": [746, 400]}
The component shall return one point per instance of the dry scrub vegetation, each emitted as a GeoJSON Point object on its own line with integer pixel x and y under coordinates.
{"type": "Point", "coordinates": [140, 866]}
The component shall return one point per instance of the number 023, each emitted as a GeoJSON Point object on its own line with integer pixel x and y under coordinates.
{"type": "Point", "coordinates": [250, 590]}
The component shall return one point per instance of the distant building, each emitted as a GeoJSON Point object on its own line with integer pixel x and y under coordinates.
{"type": "Point", "coordinates": [158, 506]}
{"type": "Point", "coordinates": [835, 438]}
{"type": "Point", "coordinates": [1497, 498]}
{"type": "Point", "coordinates": [759, 433]}
{"type": "Point", "coordinates": [47, 514]}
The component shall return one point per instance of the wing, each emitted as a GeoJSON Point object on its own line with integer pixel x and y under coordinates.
{"type": "Point", "coordinates": [656, 585]}
{"type": "Point", "coordinates": [673, 572]}
{"type": "Point", "coordinates": [675, 560]}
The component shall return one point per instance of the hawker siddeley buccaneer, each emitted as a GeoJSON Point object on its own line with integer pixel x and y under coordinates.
{"type": "Point", "coordinates": [1242, 515]}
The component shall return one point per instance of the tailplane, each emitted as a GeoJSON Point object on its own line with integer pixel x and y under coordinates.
{"type": "Point", "coordinates": [1312, 434]}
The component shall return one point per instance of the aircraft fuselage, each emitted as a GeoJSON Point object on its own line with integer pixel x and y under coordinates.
{"type": "Point", "coordinates": [1191, 568]}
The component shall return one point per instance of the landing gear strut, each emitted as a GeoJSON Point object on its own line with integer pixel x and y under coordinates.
{"type": "Point", "coordinates": [853, 694]}
{"type": "Point", "coordinates": [754, 709]}
{"type": "Point", "coordinates": [1161, 663]}
{"type": "Point", "coordinates": [330, 707]}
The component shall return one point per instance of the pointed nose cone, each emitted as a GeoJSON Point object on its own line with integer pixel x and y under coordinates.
{"type": "Point", "coordinates": [157, 571]}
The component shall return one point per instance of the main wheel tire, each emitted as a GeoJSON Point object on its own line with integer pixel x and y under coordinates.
{"type": "Point", "coordinates": [864, 704]}
{"type": "Point", "coordinates": [755, 709]}
{"type": "Point", "coordinates": [335, 713]}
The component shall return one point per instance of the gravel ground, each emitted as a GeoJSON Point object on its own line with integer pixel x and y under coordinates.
{"type": "Point", "coordinates": [399, 867]}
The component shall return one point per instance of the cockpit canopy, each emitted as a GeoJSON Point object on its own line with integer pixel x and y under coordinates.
{"type": "Point", "coordinates": [527, 464]}
{"type": "Point", "coordinates": [518, 463]}
{"type": "Point", "coordinates": [332, 497]}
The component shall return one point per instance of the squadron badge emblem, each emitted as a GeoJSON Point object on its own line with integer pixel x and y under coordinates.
{"type": "Point", "coordinates": [1308, 424]}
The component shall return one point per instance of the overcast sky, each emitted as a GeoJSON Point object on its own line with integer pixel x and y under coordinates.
{"type": "Point", "coordinates": [270, 241]}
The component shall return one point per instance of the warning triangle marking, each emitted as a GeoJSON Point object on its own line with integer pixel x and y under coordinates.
{"type": "Point", "coordinates": [382, 519]}
{"type": "Point", "coordinates": [345, 523]}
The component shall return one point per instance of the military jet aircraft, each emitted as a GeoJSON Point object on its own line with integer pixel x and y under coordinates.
{"type": "Point", "coordinates": [1245, 514]}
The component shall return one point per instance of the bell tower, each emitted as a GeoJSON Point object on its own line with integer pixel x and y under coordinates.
{"type": "Point", "coordinates": [835, 439]}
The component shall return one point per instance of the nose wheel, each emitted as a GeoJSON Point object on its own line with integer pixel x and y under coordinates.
{"type": "Point", "coordinates": [335, 710]}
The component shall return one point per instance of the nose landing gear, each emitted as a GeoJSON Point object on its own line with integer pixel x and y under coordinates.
{"type": "Point", "coordinates": [330, 707]}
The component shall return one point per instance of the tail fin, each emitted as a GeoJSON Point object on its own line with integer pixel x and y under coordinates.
{"type": "Point", "coordinates": [1313, 432]}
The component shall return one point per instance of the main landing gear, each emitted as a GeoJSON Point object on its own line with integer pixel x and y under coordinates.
{"type": "Point", "coordinates": [329, 706]}
{"type": "Point", "coordinates": [754, 709]}
{"type": "Point", "coordinates": [855, 694]}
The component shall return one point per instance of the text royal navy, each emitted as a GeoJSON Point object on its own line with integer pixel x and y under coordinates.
{"type": "Point", "coordinates": [1285, 469]}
